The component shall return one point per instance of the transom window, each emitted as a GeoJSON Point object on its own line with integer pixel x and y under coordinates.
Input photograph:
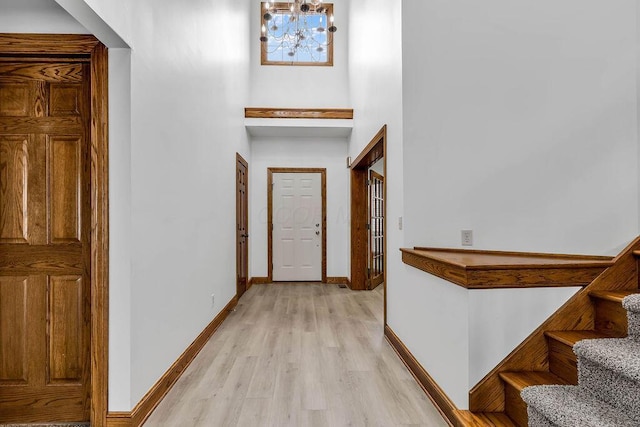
{"type": "Point", "coordinates": [298, 32]}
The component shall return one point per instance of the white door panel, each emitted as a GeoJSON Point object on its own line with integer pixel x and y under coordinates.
{"type": "Point", "coordinates": [297, 227]}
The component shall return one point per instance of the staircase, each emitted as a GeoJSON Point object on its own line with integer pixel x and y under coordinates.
{"type": "Point", "coordinates": [610, 321]}
{"type": "Point", "coordinates": [608, 378]}
{"type": "Point", "coordinates": [552, 392]}
{"type": "Point", "coordinates": [547, 368]}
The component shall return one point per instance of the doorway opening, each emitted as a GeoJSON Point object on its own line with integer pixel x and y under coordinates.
{"type": "Point", "coordinates": [368, 243]}
{"type": "Point", "coordinates": [297, 224]}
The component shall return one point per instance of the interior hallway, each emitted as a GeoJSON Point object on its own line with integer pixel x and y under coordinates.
{"type": "Point", "coordinates": [298, 355]}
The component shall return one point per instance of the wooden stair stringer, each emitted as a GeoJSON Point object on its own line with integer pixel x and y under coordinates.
{"type": "Point", "coordinates": [576, 314]}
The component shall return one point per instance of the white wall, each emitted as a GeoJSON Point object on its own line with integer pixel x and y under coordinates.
{"type": "Point", "coordinates": [301, 87]}
{"type": "Point", "coordinates": [187, 91]}
{"type": "Point", "coordinates": [120, 231]}
{"type": "Point", "coordinates": [431, 316]}
{"type": "Point", "coordinates": [520, 123]}
{"type": "Point", "coordinates": [375, 87]}
{"type": "Point", "coordinates": [329, 153]}
{"type": "Point", "coordinates": [500, 319]}
{"type": "Point", "coordinates": [37, 16]}
{"type": "Point", "coordinates": [460, 335]}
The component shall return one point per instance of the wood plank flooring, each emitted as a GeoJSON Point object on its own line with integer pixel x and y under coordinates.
{"type": "Point", "coordinates": [301, 354]}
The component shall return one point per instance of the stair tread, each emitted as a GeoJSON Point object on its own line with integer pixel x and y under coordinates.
{"type": "Point", "coordinates": [614, 296]}
{"type": "Point", "coordinates": [572, 406]}
{"type": "Point", "coordinates": [522, 379]}
{"type": "Point", "coordinates": [632, 304]}
{"type": "Point", "coordinates": [571, 337]}
{"type": "Point", "coordinates": [613, 354]}
{"type": "Point", "coordinates": [485, 419]}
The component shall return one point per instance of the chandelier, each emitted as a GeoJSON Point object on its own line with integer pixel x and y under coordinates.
{"type": "Point", "coordinates": [297, 31]}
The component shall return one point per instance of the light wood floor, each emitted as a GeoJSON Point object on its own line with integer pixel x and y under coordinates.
{"type": "Point", "coordinates": [298, 355]}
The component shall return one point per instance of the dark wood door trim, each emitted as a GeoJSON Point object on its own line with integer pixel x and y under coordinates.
{"type": "Point", "coordinates": [99, 235]}
{"type": "Point", "coordinates": [45, 46]}
{"type": "Point", "coordinates": [242, 217]}
{"type": "Point", "coordinates": [375, 150]}
{"type": "Point", "coordinates": [323, 191]}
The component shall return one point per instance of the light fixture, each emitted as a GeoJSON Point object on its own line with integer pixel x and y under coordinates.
{"type": "Point", "coordinates": [298, 30]}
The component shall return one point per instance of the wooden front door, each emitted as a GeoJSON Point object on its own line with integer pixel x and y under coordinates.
{"type": "Point", "coordinates": [376, 230]}
{"type": "Point", "coordinates": [45, 226]}
{"type": "Point", "coordinates": [242, 228]}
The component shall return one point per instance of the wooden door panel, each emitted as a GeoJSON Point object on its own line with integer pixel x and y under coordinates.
{"type": "Point", "coordinates": [13, 330]}
{"type": "Point", "coordinates": [42, 72]}
{"type": "Point", "coordinates": [19, 259]}
{"type": "Point", "coordinates": [65, 99]}
{"type": "Point", "coordinates": [13, 189]}
{"type": "Point", "coordinates": [65, 177]}
{"type": "Point", "coordinates": [51, 125]}
{"type": "Point", "coordinates": [66, 358]}
{"type": "Point", "coordinates": [14, 99]}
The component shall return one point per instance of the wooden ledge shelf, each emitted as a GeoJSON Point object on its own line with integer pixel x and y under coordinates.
{"type": "Point", "coordinates": [299, 122]}
{"type": "Point", "coordinates": [298, 113]}
{"type": "Point", "coordinates": [474, 269]}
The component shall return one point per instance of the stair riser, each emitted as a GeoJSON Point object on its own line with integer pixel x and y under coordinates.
{"type": "Point", "coordinates": [610, 317]}
{"type": "Point", "coordinates": [634, 325]}
{"type": "Point", "coordinates": [536, 419]}
{"type": "Point", "coordinates": [618, 391]}
{"type": "Point", "coordinates": [562, 361]}
{"type": "Point", "coordinates": [514, 406]}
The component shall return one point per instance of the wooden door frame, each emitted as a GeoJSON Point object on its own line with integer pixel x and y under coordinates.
{"type": "Point", "coordinates": [84, 46]}
{"type": "Point", "coordinates": [241, 160]}
{"type": "Point", "coordinates": [323, 192]}
{"type": "Point", "coordinates": [375, 150]}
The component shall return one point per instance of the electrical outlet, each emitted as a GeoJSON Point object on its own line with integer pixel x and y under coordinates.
{"type": "Point", "coordinates": [213, 300]}
{"type": "Point", "coordinates": [399, 223]}
{"type": "Point", "coordinates": [466, 237]}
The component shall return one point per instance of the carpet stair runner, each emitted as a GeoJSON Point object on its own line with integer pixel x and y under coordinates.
{"type": "Point", "coordinates": [608, 390]}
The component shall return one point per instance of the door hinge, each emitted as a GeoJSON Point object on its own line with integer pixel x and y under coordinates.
{"type": "Point", "coordinates": [368, 226]}
{"type": "Point", "coordinates": [368, 182]}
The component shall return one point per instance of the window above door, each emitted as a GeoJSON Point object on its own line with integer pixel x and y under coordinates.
{"type": "Point", "coordinates": [298, 32]}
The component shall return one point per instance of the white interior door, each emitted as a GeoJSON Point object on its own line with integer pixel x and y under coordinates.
{"type": "Point", "coordinates": [297, 227]}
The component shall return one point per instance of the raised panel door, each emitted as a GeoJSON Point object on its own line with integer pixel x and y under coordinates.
{"type": "Point", "coordinates": [44, 246]}
{"type": "Point", "coordinates": [297, 226]}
